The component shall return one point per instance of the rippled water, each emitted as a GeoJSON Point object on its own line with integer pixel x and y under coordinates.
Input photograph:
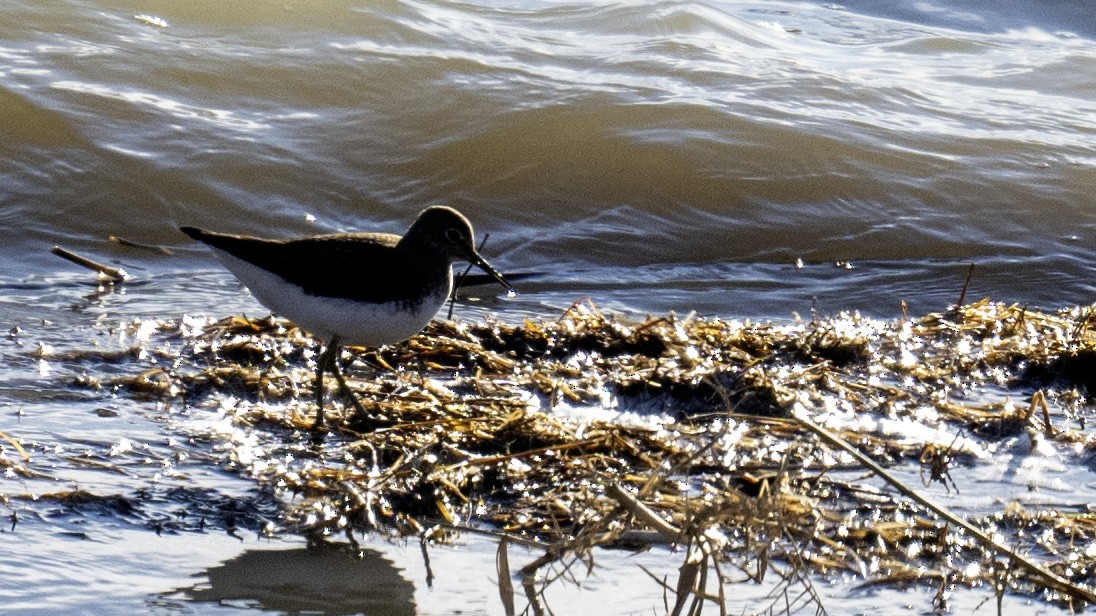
{"type": "Point", "coordinates": [665, 155]}
{"type": "Point", "coordinates": [748, 159]}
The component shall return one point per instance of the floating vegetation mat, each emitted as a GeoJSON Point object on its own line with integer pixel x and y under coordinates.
{"type": "Point", "coordinates": [758, 450]}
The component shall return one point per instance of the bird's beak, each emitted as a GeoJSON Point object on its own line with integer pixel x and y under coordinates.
{"type": "Point", "coordinates": [482, 263]}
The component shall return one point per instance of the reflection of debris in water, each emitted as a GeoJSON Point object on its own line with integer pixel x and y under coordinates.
{"type": "Point", "coordinates": [167, 510]}
{"type": "Point", "coordinates": [324, 579]}
{"type": "Point", "coordinates": [491, 424]}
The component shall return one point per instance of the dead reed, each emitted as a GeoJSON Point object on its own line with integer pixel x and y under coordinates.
{"type": "Point", "coordinates": [759, 449]}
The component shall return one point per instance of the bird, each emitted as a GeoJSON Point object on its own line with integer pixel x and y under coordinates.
{"type": "Point", "coordinates": [361, 289]}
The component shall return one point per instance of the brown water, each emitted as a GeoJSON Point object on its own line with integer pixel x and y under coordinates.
{"type": "Point", "coordinates": [669, 155]}
{"type": "Point", "coordinates": [741, 159]}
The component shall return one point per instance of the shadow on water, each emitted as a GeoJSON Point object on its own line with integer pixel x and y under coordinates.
{"type": "Point", "coordinates": [323, 580]}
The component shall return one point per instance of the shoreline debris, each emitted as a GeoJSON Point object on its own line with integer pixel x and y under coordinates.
{"type": "Point", "coordinates": [106, 272]}
{"type": "Point", "coordinates": [744, 443]}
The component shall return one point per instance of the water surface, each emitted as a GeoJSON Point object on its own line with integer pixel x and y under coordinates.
{"type": "Point", "coordinates": [737, 159]}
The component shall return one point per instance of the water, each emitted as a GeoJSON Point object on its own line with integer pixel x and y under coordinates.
{"type": "Point", "coordinates": [705, 147]}
{"type": "Point", "coordinates": [740, 159]}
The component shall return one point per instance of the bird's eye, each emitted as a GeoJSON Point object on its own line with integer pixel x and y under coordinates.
{"type": "Point", "coordinates": [454, 235]}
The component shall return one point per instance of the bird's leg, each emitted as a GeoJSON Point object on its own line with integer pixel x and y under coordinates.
{"type": "Point", "coordinates": [327, 358]}
{"type": "Point", "coordinates": [344, 389]}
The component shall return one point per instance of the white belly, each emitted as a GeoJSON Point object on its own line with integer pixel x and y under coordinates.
{"type": "Point", "coordinates": [353, 322]}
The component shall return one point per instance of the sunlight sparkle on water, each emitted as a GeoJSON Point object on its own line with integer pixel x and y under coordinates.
{"type": "Point", "coordinates": [151, 20]}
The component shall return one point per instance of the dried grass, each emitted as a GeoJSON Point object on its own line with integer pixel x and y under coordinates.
{"type": "Point", "coordinates": [473, 427]}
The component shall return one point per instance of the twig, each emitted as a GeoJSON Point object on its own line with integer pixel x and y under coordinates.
{"type": "Point", "coordinates": [121, 241]}
{"type": "Point", "coordinates": [17, 446]}
{"type": "Point", "coordinates": [642, 512]}
{"type": "Point", "coordinates": [460, 279]}
{"type": "Point", "coordinates": [113, 274]}
{"type": "Point", "coordinates": [1082, 324]}
{"type": "Point", "coordinates": [966, 285]}
{"type": "Point", "coordinates": [506, 587]}
{"type": "Point", "coordinates": [1038, 573]}
{"type": "Point", "coordinates": [1039, 399]}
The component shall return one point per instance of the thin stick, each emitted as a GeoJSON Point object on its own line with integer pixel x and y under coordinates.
{"type": "Point", "coordinates": [1082, 323]}
{"type": "Point", "coordinates": [17, 446]}
{"type": "Point", "coordinates": [1039, 574]}
{"type": "Point", "coordinates": [1039, 399]}
{"type": "Point", "coordinates": [669, 532]}
{"type": "Point", "coordinates": [506, 587]}
{"type": "Point", "coordinates": [114, 274]}
{"type": "Point", "coordinates": [966, 285]}
{"type": "Point", "coordinates": [460, 279]}
{"type": "Point", "coordinates": [121, 241]}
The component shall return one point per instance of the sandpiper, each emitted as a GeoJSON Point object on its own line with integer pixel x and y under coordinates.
{"type": "Point", "coordinates": [367, 289]}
